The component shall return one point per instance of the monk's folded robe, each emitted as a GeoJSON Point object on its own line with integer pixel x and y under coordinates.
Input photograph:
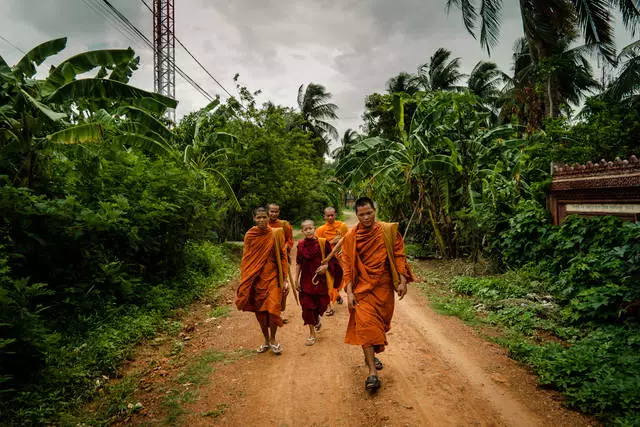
{"type": "Point", "coordinates": [262, 280]}
{"type": "Point", "coordinates": [373, 259]}
{"type": "Point", "coordinates": [329, 232]}
{"type": "Point", "coordinates": [288, 231]}
{"type": "Point", "coordinates": [314, 298]}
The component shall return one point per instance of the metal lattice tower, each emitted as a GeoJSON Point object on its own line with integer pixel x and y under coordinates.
{"type": "Point", "coordinates": [164, 50]}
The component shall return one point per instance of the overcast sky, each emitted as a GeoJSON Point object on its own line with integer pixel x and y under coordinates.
{"type": "Point", "coordinates": [351, 47]}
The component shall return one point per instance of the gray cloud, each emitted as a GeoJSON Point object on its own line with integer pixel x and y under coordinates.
{"type": "Point", "coordinates": [352, 47]}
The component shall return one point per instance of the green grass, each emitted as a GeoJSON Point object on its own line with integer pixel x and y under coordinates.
{"type": "Point", "coordinates": [215, 413]}
{"type": "Point", "coordinates": [220, 311]}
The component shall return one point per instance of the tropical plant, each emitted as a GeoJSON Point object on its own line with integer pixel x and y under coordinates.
{"type": "Point", "coordinates": [316, 111]}
{"type": "Point", "coordinates": [403, 82]}
{"type": "Point", "coordinates": [440, 73]}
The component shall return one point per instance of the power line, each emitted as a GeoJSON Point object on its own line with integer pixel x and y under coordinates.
{"type": "Point", "coordinates": [13, 45]}
{"type": "Point", "coordinates": [140, 34]}
{"type": "Point", "coordinates": [192, 56]}
{"type": "Point", "coordinates": [109, 11]}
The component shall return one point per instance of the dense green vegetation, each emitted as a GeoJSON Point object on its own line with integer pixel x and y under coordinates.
{"type": "Point", "coordinates": [465, 168]}
{"type": "Point", "coordinates": [110, 219]}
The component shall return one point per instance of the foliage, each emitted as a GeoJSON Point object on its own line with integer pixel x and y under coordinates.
{"type": "Point", "coordinates": [269, 159]}
{"type": "Point", "coordinates": [576, 283]}
{"type": "Point", "coordinates": [461, 175]}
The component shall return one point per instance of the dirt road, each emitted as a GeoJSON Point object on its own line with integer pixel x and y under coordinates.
{"type": "Point", "coordinates": [438, 372]}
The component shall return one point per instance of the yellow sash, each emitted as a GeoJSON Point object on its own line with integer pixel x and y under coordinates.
{"type": "Point", "coordinates": [389, 232]}
{"type": "Point", "coordinates": [278, 234]}
{"type": "Point", "coordinates": [322, 241]}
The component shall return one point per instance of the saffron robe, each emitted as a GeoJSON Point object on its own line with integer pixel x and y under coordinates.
{"type": "Point", "coordinates": [262, 277]}
{"type": "Point", "coordinates": [373, 259]}
{"type": "Point", "coordinates": [288, 231]}
{"type": "Point", "coordinates": [314, 298]}
{"type": "Point", "coordinates": [329, 232]}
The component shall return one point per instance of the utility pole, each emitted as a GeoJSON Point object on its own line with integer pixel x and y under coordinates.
{"type": "Point", "coordinates": [164, 51]}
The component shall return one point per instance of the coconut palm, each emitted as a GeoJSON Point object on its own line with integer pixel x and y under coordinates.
{"type": "Point", "coordinates": [316, 110]}
{"type": "Point", "coordinates": [626, 86]}
{"type": "Point", "coordinates": [440, 73]}
{"type": "Point", "coordinates": [403, 82]}
{"type": "Point", "coordinates": [349, 139]}
{"type": "Point", "coordinates": [544, 21]}
{"type": "Point", "coordinates": [564, 77]}
{"type": "Point", "coordinates": [486, 81]}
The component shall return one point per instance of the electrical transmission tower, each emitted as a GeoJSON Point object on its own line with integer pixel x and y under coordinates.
{"type": "Point", "coordinates": [164, 50]}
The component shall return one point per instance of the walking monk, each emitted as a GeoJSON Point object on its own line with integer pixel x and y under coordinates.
{"type": "Point", "coordinates": [273, 211]}
{"type": "Point", "coordinates": [276, 222]}
{"type": "Point", "coordinates": [313, 279]}
{"type": "Point", "coordinates": [263, 278]}
{"type": "Point", "coordinates": [333, 231]}
{"type": "Point", "coordinates": [374, 266]}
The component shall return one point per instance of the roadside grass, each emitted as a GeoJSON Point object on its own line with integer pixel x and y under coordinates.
{"type": "Point", "coordinates": [594, 365]}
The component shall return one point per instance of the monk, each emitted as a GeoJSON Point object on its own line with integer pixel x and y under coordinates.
{"type": "Point", "coordinates": [263, 279]}
{"type": "Point", "coordinates": [313, 279]}
{"type": "Point", "coordinates": [273, 211]}
{"type": "Point", "coordinates": [374, 266]}
{"type": "Point", "coordinates": [333, 231]}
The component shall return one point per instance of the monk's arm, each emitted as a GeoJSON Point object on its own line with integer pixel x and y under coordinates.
{"type": "Point", "coordinates": [335, 250]}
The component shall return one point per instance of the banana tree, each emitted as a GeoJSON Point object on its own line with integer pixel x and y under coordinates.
{"type": "Point", "coordinates": [64, 109]}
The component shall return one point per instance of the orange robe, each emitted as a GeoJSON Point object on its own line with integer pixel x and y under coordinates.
{"type": "Point", "coordinates": [261, 288]}
{"type": "Point", "coordinates": [366, 266]}
{"type": "Point", "coordinates": [329, 231]}
{"type": "Point", "coordinates": [288, 232]}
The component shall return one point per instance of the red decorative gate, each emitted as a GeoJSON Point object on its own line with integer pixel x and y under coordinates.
{"type": "Point", "coordinates": [596, 189]}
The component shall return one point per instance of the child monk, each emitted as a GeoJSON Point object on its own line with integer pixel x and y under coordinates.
{"type": "Point", "coordinates": [313, 279]}
{"type": "Point", "coordinates": [332, 230]}
{"type": "Point", "coordinates": [263, 278]}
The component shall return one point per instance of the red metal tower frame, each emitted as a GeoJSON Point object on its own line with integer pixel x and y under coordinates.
{"type": "Point", "coordinates": [164, 50]}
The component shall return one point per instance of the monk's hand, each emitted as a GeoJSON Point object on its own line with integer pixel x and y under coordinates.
{"type": "Point", "coordinates": [322, 268]}
{"type": "Point", "coordinates": [402, 287]}
{"type": "Point", "coordinates": [286, 284]}
{"type": "Point", "coordinates": [351, 300]}
{"type": "Point", "coordinates": [334, 240]}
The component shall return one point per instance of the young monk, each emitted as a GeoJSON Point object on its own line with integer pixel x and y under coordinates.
{"type": "Point", "coordinates": [313, 279]}
{"type": "Point", "coordinates": [263, 278]}
{"type": "Point", "coordinates": [333, 231]}
{"type": "Point", "coordinates": [374, 267]}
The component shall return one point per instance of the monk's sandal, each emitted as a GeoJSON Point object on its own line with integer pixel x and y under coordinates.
{"type": "Point", "coordinates": [372, 383]}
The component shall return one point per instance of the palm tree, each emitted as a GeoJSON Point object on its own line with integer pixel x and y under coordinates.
{"type": "Point", "coordinates": [316, 111]}
{"type": "Point", "coordinates": [486, 81]}
{"type": "Point", "coordinates": [564, 76]}
{"type": "Point", "coordinates": [625, 87]}
{"type": "Point", "coordinates": [440, 73]}
{"type": "Point", "coordinates": [403, 82]}
{"type": "Point", "coordinates": [544, 21]}
{"type": "Point", "coordinates": [349, 139]}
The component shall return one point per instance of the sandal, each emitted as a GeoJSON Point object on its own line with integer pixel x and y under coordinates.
{"type": "Point", "coordinates": [330, 312]}
{"type": "Point", "coordinates": [276, 348]}
{"type": "Point", "coordinates": [378, 364]}
{"type": "Point", "coordinates": [263, 348]}
{"type": "Point", "coordinates": [372, 383]}
{"type": "Point", "coordinates": [318, 325]}
{"type": "Point", "coordinates": [339, 300]}
{"type": "Point", "coordinates": [310, 341]}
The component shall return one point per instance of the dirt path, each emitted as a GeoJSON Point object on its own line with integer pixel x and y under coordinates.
{"type": "Point", "coordinates": [438, 372]}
